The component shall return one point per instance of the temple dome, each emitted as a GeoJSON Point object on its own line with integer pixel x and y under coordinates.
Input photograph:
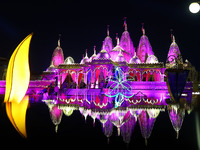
{"type": "Point", "coordinates": [51, 68]}
{"type": "Point", "coordinates": [94, 55]}
{"type": "Point", "coordinates": [144, 48]}
{"type": "Point", "coordinates": [116, 51]}
{"type": "Point", "coordinates": [174, 55]}
{"type": "Point", "coordinates": [69, 60]}
{"type": "Point", "coordinates": [58, 56]}
{"type": "Point", "coordinates": [118, 47]}
{"type": "Point", "coordinates": [120, 57]}
{"type": "Point", "coordinates": [126, 43]}
{"type": "Point", "coordinates": [135, 60]}
{"type": "Point", "coordinates": [107, 43]}
{"type": "Point", "coordinates": [102, 55]}
{"type": "Point", "coordinates": [85, 59]}
{"type": "Point", "coordinates": [152, 59]}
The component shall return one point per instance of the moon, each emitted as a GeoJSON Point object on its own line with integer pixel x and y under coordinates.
{"type": "Point", "coordinates": [194, 7]}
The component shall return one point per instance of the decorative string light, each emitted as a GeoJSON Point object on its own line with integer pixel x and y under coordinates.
{"type": "Point", "coordinates": [119, 88]}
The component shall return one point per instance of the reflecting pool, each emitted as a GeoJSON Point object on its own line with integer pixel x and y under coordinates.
{"type": "Point", "coordinates": [88, 118]}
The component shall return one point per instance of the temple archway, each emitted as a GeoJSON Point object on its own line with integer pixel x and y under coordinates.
{"type": "Point", "coordinates": [157, 75]}
{"type": "Point", "coordinates": [68, 81]}
{"type": "Point", "coordinates": [134, 75]}
{"type": "Point", "coordinates": [151, 75]}
{"type": "Point", "coordinates": [80, 78]}
{"type": "Point", "coordinates": [100, 71]}
{"type": "Point", "coordinates": [144, 76]}
{"type": "Point", "coordinates": [102, 80]}
{"type": "Point", "coordinates": [89, 78]}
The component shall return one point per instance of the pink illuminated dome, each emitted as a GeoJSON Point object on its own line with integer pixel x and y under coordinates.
{"type": "Point", "coordinates": [107, 43]}
{"type": "Point", "coordinates": [126, 43]}
{"type": "Point", "coordinates": [135, 60]}
{"type": "Point", "coordinates": [144, 48]}
{"type": "Point", "coordinates": [116, 51]}
{"type": "Point", "coordinates": [94, 55]}
{"type": "Point", "coordinates": [85, 59]}
{"type": "Point", "coordinates": [58, 56]}
{"type": "Point", "coordinates": [102, 55]}
{"type": "Point", "coordinates": [51, 68]}
{"type": "Point", "coordinates": [174, 52]}
{"type": "Point", "coordinates": [120, 57]}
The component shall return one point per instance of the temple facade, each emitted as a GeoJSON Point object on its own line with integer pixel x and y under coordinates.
{"type": "Point", "coordinates": [140, 67]}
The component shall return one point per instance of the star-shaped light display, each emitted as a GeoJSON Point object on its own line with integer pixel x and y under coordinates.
{"type": "Point", "coordinates": [119, 88]}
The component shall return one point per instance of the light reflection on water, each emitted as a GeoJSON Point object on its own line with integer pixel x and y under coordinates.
{"type": "Point", "coordinates": [127, 120]}
{"type": "Point", "coordinates": [132, 124]}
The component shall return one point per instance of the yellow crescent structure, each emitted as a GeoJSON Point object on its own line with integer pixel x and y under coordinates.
{"type": "Point", "coordinates": [17, 82]}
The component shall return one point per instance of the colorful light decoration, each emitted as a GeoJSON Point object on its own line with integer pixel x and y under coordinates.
{"type": "Point", "coordinates": [17, 82]}
{"type": "Point", "coordinates": [119, 88]}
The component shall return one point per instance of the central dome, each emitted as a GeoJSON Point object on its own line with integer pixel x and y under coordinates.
{"type": "Point", "coordinates": [102, 55]}
{"type": "Point", "coordinates": [120, 57]}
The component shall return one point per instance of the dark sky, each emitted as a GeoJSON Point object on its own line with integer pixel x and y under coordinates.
{"type": "Point", "coordinates": [83, 25]}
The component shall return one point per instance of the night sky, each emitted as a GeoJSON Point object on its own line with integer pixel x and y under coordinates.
{"type": "Point", "coordinates": [83, 24]}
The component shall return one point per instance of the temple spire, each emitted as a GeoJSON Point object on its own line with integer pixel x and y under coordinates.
{"type": "Point", "coordinates": [117, 41]}
{"type": "Point", "coordinates": [143, 30]}
{"type": "Point", "coordinates": [103, 45]}
{"type": "Point", "coordinates": [86, 56]}
{"type": "Point", "coordinates": [59, 40]}
{"type": "Point", "coordinates": [108, 30]}
{"type": "Point", "coordinates": [173, 39]}
{"type": "Point", "coordinates": [125, 24]}
{"type": "Point", "coordinates": [95, 50]}
{"type": "Point", "coordinates": [172, 36]}
{"type": "Point", "coordinates": [116, 36]}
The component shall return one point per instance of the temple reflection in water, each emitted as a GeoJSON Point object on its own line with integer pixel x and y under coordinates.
{"type": "Point", "coordinates": [100, 107]}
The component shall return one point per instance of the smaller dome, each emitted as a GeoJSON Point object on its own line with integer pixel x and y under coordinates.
{"type": "Point", "coordinates": [94, 55]}
{"type": "Point", "coordinates": [69, 60]}
{"type": "Point", "coordinates": [117, 47]}
{"type": "Point", "coordinates": [135, 60]}
{"type": "Point", "coordinates": [51, 68]}
{"type": "Point", "coordinates": [85, 59]}
{"type": "Point", "coordinates": [152, 59]}
{"type": "Point", "coordinates": [103, 55]}
{"type": "Point", "coordinates": [120, 57]}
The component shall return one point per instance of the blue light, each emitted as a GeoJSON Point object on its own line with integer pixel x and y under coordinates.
{"type": "Point", "coordinates": [119, 88]}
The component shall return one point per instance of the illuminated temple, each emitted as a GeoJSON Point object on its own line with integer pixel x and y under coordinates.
{"type": "Point", "coordinates": [118, 85]}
